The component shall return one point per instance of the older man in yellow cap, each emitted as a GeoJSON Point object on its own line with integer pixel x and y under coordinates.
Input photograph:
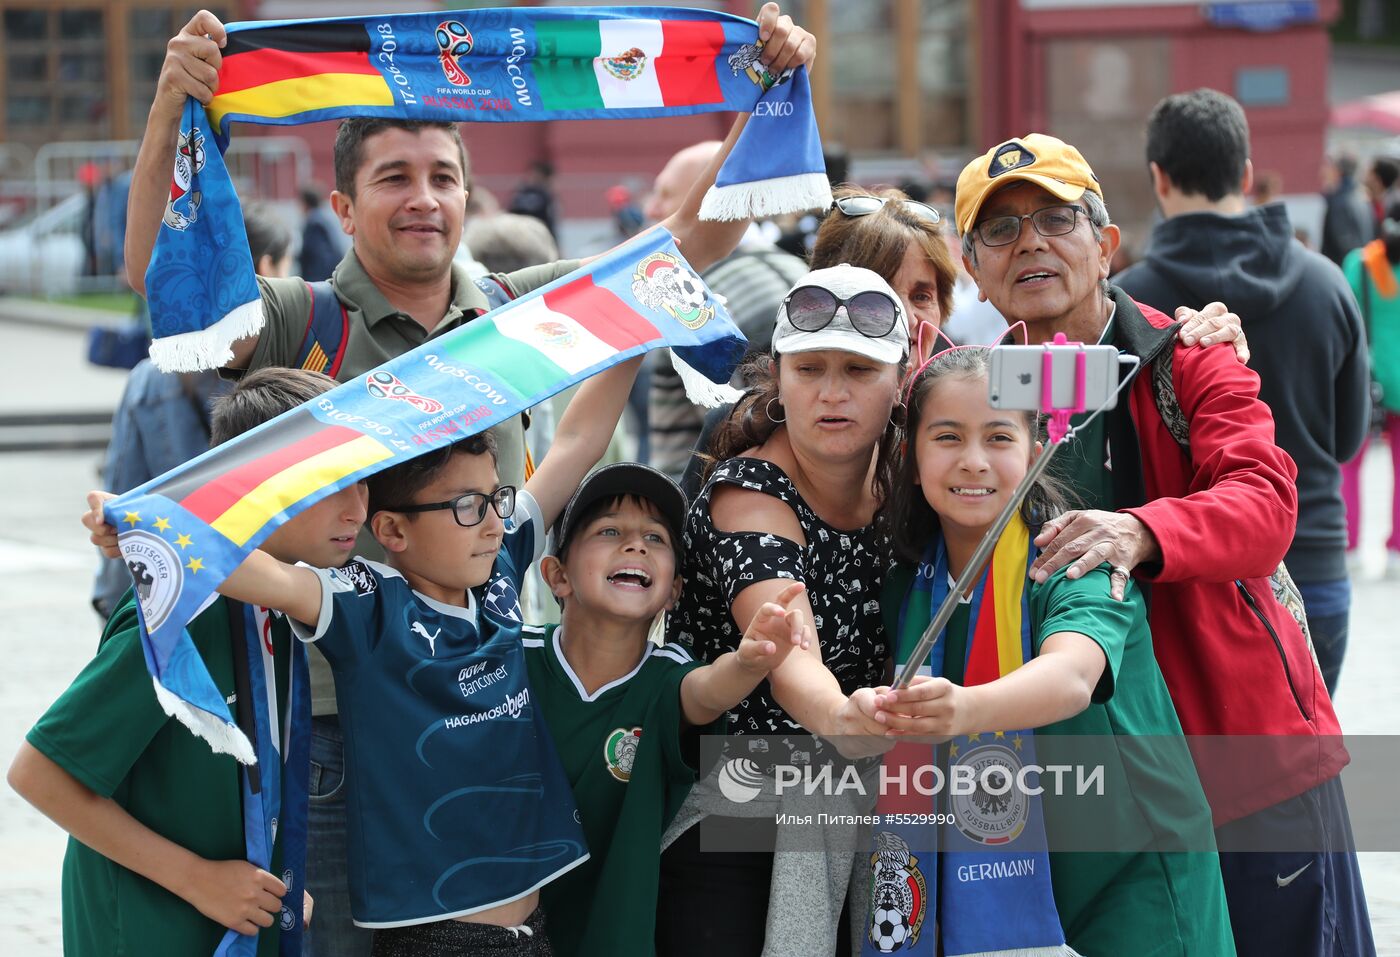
{"type": "Point", "coordinates": [1199, 504]}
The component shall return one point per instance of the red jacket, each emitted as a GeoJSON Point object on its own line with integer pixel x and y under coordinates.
{"type": "Point", "coordinates": [1235, 660]}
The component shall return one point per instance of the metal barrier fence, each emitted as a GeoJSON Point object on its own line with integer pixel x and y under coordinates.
{"type": "Point", "coordinates": [74, 195]}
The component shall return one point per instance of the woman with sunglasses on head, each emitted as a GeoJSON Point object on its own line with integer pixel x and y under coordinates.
{"type": "Point", "coordinates": [888, 233]}
{"type": "Point", "coordinates": [799, 471]}
{"type": "Point", "coordinates": [901, 239]}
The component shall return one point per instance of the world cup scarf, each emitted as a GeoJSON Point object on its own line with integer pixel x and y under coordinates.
{"type": "Point", "coordinates": [993, 902]}
{"type": "Point", "coordinates": [491, 65]}
{"type": "Point", "coordinates": [182, 533]}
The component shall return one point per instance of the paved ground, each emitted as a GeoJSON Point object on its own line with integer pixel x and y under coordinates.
{"type": "Point", "coordinates": [45, 571]}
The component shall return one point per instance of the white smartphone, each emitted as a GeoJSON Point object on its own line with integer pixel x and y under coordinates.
{"type": "Point", "coordinates": [1017, 377]}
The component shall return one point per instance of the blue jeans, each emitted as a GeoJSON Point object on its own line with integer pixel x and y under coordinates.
{"type": "Point", "coordinates": [331, 933]}
{"type": "Point", "coordinates": [1328, 606]}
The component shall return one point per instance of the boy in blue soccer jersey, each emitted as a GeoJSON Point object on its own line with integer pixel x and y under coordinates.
{"type": "Point", "coordinates": [459, 811]}
{"type": "Point", "coordinates": [618, 706]}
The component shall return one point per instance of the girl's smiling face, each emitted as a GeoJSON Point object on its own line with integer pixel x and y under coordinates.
{"type": "Point", "coordinates": [969, 456]}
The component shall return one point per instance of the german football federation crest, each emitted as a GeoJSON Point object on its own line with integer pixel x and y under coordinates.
{"type": "Point", "coordinates": [454, 42]}
{"type": "Point", "coordinates": [386, 385]}
{"type": "Point", "coordinates": [661, 282]}
{"type": "Point", "coordinates": [997, 810]}
{"type": "Point", "coordinates": [620, 751]}
{"type": "Point", "coordinates": [898, 895]}
{"type": "Point", "coordinates": [182, 208]}
{"type": "Point", "coordinates": [155, 574]}
{"type": "Point", "coordinates": [626, 66]}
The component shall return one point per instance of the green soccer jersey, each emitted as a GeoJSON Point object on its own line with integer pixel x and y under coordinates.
{"type": "Point", "coordinates": [108, 731]}
{"type": "Point", "coordinates": [1112, 903]}
{"type": "Point", "coordinates": [621, 749]}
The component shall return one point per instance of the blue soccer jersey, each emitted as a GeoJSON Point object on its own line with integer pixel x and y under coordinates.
{"type": "Point", "coordinates": [457, 800]}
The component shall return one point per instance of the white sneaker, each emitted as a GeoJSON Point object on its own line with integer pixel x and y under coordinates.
{"type": "Point", "coordinates": [1392, 566]}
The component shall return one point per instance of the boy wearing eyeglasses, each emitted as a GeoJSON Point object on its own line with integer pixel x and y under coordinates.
{"type": "Point", "coordinates": [459, 810]}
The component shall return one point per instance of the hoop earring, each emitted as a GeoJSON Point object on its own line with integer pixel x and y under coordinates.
{"type": "Point", "coordinates": [899, 415]}
{"type": "Point", "coordinates": [768, 410]}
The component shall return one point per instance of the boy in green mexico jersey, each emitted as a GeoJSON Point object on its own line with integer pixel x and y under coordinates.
{"type": "Point", "coordinates": [619, 707]}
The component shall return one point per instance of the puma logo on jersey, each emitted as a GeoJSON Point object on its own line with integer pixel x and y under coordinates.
{"type": "Point", "coordinates": [418, 629]}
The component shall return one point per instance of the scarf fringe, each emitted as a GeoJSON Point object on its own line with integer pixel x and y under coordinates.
{"type": "Point", "coordinates": [1063, 950]}
{"type": "Point", "coordinates": [701, 390]}
{"type": "Point", "coordinates": [224, 737]}
{"type": "Point", "coordinates": [207, 348]}
{"type": "Point", "coordinates": [767, 197]}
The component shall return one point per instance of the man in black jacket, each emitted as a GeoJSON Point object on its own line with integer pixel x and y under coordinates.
{"type": "Point", "coordinates": [1304, 329]}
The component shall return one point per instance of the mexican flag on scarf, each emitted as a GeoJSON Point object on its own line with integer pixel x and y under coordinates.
{"type": "Point", "coordinates": [601, 64]}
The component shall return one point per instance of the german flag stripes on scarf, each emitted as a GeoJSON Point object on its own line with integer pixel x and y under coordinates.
{"type": "Point", "coordinates": [182, 533]}
{"type": "Point", "coordinates": [296, 70]}
{"type": "Point", "coordinates": [515, 64]}
{"type": "Point", "coordinates": [237, 494]}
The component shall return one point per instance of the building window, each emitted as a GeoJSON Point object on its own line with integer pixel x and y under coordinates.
{"type": "Point", "coordinates": [942, 65]}
{"type": "Point", "coordinates": [55, 73]}
{"type": "Point", "coordinates": [148, 30]}
{"type": "Point", "coordinates": [861, 44]}
{"type": "Point", "coordinates": [895, 73]}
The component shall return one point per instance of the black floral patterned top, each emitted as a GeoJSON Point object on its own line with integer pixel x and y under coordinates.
{"type": "Point", "coordinates": [843, 570]}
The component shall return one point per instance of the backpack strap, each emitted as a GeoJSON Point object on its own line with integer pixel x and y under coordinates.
{"type": "Point", "coordinates": [327, 332]}
{"type": "Point", "coordinates": [1164, 396]}
{"type": "Point", "coordinates": [495, 291]}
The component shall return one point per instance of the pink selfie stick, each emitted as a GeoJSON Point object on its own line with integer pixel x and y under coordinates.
{"type": "Point", "coordinates": [1060, 415]}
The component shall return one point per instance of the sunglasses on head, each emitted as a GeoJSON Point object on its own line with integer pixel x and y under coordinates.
{"type": "Point", "coordinates": [865, 205]}
{"type": "Point", "coordinates": [811, 308]}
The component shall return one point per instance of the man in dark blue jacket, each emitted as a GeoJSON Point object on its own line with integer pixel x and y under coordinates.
{"type": "Point", "coordinates": [1304, 329]}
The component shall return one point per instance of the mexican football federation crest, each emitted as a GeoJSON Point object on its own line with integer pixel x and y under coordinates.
{"type": "Point", "coordinates": [620, 751]}
{"type": "Point", "coordinates": [996, 811]}
{"type": "Point", "coordinates": [661, 282]}
{"type": "Point", "coordinates": [627, 65]}
{"type": "Point", "coordinates": [182, 208]}
{"type": "Point", "coordinates": [745, 60]}
{"type": "Point", "coordinates": [898, 895]}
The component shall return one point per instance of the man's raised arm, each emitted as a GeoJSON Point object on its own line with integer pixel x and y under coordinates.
{"type": "Point", "coordinates": [191, 68]}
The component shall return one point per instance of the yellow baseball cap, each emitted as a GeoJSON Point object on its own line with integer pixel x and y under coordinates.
{"type": "Point", "coordinates": [1036, 158]}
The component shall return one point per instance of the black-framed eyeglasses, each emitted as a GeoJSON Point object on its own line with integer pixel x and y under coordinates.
{"type": "Point", "coordinates": [811, 308]}
{"type": "Point", "coordinates": [470, 509]}
{"type": "Point", "coordinates": [866, 205]}
{"type": "Point", "coordinates": [1048, 221]}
